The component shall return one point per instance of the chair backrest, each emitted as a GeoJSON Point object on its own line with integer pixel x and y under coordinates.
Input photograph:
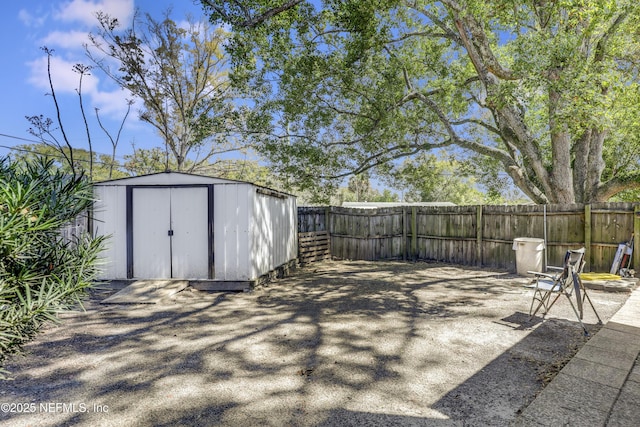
{"type": "Point", "coordinates": [573, 263]}
{"type": "Point", "coordinates": [575, 259]}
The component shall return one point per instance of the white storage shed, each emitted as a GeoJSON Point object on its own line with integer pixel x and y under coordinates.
{"type": "Point", "coordinates": [175, 225]}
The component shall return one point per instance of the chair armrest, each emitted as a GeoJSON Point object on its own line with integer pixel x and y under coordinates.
{"type": "Point", "coordinates": [538, 273]}
{"type": "Point", "coordinates": [550, 267]}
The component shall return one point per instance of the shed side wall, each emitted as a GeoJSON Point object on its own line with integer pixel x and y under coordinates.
{"type": "Point", "coordinates": [109, 219]}
{"type": "Point", "coordinates": [274, 232]}
{"type": "Point", "coordinates": [232, 203]}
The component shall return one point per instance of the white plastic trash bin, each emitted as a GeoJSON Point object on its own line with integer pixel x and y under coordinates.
{"type": "Point", "coordinates": [529, 254]}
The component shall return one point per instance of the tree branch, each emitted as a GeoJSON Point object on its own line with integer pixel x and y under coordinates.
{"type": "Point", "coordinates": [49, 52]}
{"type": "Point", "coordinates": [84, 70]}
{"type": "Point", "coordinates": [480, 41]}
{"type": "Point", "coordinates": [249, 20]}
{"type": "Point", "coordinates": [608, 189]}
{"type": "Point", "coordinates": [386, 156]}
{"type": "Point", "coordinates": [601, 46]}
{"type": "Point", "coordinates": [449, 33]}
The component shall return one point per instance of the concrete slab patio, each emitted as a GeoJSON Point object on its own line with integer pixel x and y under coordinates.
{"type": "Point", "coordinates": [600, 386]}
{"type": "Point", "coordinates": [336, 344]}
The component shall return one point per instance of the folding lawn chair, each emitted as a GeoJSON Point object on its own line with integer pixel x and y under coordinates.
{"type": "Point", "coordinates": [566, 282]}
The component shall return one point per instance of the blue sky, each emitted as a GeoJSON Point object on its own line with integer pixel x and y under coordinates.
{"type": "Point", "coordinates": [63, 25]}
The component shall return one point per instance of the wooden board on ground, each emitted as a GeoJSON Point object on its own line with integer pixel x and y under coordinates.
{"type": "Point", "coordinates": [618, 258]}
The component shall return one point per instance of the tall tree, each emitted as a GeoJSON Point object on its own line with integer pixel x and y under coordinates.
{"type": "Point", "coordinates": [180, 74]}
{"type": "Point", "coordinates": [549, 89]}
{"type": "Point", "coordinates": [360, 186]}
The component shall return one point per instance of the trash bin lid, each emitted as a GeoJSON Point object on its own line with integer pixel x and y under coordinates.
{"type": "Point", "coordinates": [529, 241]}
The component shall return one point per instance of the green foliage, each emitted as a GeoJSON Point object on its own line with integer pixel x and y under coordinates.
{"type": "Point", "coordinates": [627, 196]}
{"type": "Point", "coordinates": [359, 189]}
{"type": "Point", "coordinates": [546, 89]}
{"type": "Point", "coordinates": [104, 167]}
{"type": "Point", "coordinates": [143, 161]}
{"type": "Point", "coordinates": [41, 274]}
{"type": "Point", "coordinates": [429, 179]}
{"type": "Point", "coordinates": [496, 186]}
{"type": "Point", "coordinates": [244, 170]}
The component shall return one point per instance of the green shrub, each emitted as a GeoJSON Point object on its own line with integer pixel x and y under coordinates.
{"type": "Point", "coordinates": [41, 274]}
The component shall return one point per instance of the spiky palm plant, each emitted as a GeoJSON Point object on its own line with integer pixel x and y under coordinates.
{"type": "Point", "coordinates": [41, 273]}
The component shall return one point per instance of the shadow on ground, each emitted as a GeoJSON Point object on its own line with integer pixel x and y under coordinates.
{"type": "Point", "coordinates": [348, 343]}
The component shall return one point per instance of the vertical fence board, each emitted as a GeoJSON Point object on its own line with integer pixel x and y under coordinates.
{"type": "Point", "coordinates": [474, 235]}
{"type": "Point", "coordinates": [76, 228]}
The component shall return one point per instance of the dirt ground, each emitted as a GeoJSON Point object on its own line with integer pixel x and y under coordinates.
{"type": "Point", "coordinates": [336, 344]}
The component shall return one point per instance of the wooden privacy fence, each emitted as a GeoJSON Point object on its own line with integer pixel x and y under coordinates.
{"type": "Point", "coordinates": [76, 228]}
{"type": "Point", "coordinates": [476, 235]}
{"type": "Point", "coordinates": [313, 246]}
{"type": "Point", "coordinates": [314, 241]}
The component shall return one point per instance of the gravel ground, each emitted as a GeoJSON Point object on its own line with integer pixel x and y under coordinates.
{"type": "Point", "coordinates": [336, 344]}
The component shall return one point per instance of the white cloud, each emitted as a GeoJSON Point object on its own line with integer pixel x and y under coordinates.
{"type": "Point", "coordinates": [65, 80]}
{"type": "Point", "coordinates": [66, 39]}
{"type": "Point", "coordinates": [30, 20]}
{"type": "Point", "coordinates": [68, 42]}
{"type": "Point", "coordinates": [85, 10]}
{"type": "Point", "coordinates": [111, 102]}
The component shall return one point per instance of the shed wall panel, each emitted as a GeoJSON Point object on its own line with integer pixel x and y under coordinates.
{"type": "Point", "coordinates": [274, 226]}
{"type": "Point", "coordinates": [231, 231]}
{"type": "Point", "coordinates": [109, 219]}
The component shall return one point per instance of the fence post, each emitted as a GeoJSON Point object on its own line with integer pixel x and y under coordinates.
{"type": "Point", "coordinates": [636, 237]}
{"type": "Point", "coordinates": [404, 233]}
{"type": "Point", "coordinates": [327, 227]}
{"type": "Point", "coordinates": [479, 235]}
{"type": "Point", "coordinates": [414, 233]}
{"type": "Point", "coordinates": [327, 224]}
{"type": "Point", "coordinates": [587, 236]}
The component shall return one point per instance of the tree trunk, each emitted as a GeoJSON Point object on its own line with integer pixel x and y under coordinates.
{"type": "Point", "coordinates": [561, 175]}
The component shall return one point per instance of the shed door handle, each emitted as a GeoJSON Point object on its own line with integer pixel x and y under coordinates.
{"type": "Point", "coordinates": [170, 233]}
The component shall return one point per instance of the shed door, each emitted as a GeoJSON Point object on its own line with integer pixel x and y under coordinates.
{"type": "Point", "coordinates": [190, 241]}
{"type": "Point", "coordinates": [151, 245]}
{"type": "Point", "coordinates": [170, 233]}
